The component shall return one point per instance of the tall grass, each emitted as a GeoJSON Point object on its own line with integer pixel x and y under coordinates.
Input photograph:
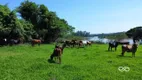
{"type": "Point", "coordinates": [24, 62]}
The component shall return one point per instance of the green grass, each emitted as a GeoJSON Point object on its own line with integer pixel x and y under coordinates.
{"type": "Point", "coordinates": [24, 62]}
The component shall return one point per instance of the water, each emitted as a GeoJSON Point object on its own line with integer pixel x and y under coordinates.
{"type": "Point", "coordinates": [128, 40]}
{"type": "Point", "coordinates": [105, 40]}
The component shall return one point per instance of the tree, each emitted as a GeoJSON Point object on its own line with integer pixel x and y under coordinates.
{"type": "Point", "coordinates": [46, 24]}
{"type": "Point", "coordinates": [4, 12]}
{"type": "Point", "coordinates": [135, 33]}
{"type": "Point", "coordinates": [10, 26]}
{"type": "Point", "coordinates": [82, 33]}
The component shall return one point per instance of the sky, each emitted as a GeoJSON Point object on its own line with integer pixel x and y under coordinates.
{"type": "Point", "coordinates": [94, 16]}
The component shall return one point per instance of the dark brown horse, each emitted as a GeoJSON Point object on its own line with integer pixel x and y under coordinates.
{"type": "Point", "coordinates": [68, 43]}
{"type": "Point", "coordinates": [35, 41]}
{"type": "Point", "coordinates": [58, 51]}
{"type": "Point", "coordinates": [80, 43]}
{"type": "Point", "coordinates": [74, 43]}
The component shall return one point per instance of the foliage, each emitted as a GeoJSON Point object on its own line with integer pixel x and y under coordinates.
{"type": "Point", "coordinates": [135, 33]}
{"type": "Point", "coordinates": [82, 33]}
{"type": "Point", "coordinates": [72, 37]}
{"type": "Point", "coordinates": [46, 24]}
{"type": "Point", "coordinates": [10, 27]}
{"type": "Point", "coordinates": [117, 35]}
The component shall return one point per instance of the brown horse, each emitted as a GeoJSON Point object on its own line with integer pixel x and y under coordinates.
{"type": "Point", "coordinates": [74, 43]}
{"type": "Point", "coordinates": [35, 41]}
{"type": "Point", "coordinates": [68, 43]}
{"type": "Point", "coordinates": [89, 43]}
{"type": "Point", "coordinates": [80, 43]}
{"type": "Point", "coordinates": [129, 48]}
{"type": "Point", "coordinates": [58, 51]}
{"type": "Point", "coordinates": [71, 43]}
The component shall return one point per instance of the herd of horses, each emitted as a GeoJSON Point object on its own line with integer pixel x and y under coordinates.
{"type": "Point", "coordinates": [126, 47]}
{"type": "Point", "coordinates": [58, 51]}
{"type": "Point", "coordinates": [79, 43]}
{"type": "Point", "coordinates": [5, 41]}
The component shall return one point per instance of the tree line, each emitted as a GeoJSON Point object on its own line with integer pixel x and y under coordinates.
{"type": "Point", "coordinates": [82, 33]}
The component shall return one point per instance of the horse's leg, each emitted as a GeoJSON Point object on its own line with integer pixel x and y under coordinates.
{"type": "Point", "coordinates": [32, 43]}
{"type": "Point", "coordinates": [55, 58]}
{"type": "Point", "coordinates": [79, 45]}
{"type": "Point", "coordinates": [73, 44]}
{"type": "Point", "coordinates": [39, 44]}
{"type": "Point", "coordinates": [109, 48]}
{"type": "Point", "coordinates": [122, 53]}
{"type": "Point", "coordinates": [115, 48]}
{"type": "Point", "coordinates": [51, 57]}
{"type": "Point", "coordinates": [86, 44]}
{"type": "Point", "coordinates": [59, 57]}
{"type": "Point", "coordinates": [133, 54]}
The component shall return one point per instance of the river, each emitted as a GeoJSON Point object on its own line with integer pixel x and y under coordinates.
{"type": "Point", "coordinates": [105, 40]}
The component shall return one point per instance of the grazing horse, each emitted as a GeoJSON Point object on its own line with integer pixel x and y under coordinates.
{"type": "Point", "coordinates": [129, 48]}
{"type": "Point", "coordinates": [113, 45]}
{"type": "Point", "coordinates": [84, 43]}
{"type": "Point", "coordinates": [35, 41]}
{"type": "Point", "coordinates": [13, 41]}
{"type": "Point", "coordinates": [71, 43]}
{"type": "Point", "coordinates": [74, 42]}
{"type": "Point", "coordinates": [58, 51]}
{"type": "Point", "coordinates": [89, 43]}
{"type": "Point", "coordinates": [80, 43]}
{"type": "Point", "coordinates": [3, 42]}
{"type": "Point", "coordinates": [68, 43]}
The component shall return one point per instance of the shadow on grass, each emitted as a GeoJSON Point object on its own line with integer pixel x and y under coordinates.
{"type": "Point", "coordinates": [51, 61]}
{"type": "Point", "coordinates": [110, 51]}
{"type": "Point", "coordinates": [120, 56]}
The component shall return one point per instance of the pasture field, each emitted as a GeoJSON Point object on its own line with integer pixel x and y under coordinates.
{"type": "Point", "coordinates": [23, 62]}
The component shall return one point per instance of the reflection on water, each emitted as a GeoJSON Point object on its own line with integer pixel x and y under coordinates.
{"type": "Point", "coordinates": [105, 40]}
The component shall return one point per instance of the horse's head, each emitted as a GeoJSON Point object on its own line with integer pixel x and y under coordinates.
{"type": "Point", "coordinates": [42, 40]}
{"type": "Point", "coordinates": [80, 41]}
{"type": "Point", "coordinates": [56, 46]}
